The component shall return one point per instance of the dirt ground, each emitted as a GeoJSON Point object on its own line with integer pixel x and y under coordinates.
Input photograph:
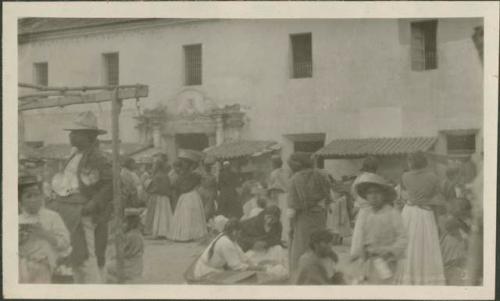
{"type": "Point", "coordinates": [165, 261]}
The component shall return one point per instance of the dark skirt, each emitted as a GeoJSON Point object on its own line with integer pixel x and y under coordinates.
{"type": "Point", "coordinates": [304, 224]}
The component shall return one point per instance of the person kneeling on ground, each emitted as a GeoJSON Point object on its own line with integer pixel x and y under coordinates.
{"type": "Point", "coordinates": [261, 239]}
{"type": "Point", "coordinates": [222, 254]}
{"type": "Point", "coordinates": [133, 250]}
{"type": "Point", "coordinates": [317, 265]}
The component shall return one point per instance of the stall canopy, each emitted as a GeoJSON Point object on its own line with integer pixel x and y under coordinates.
{"type": "Point", "coordinates": [357, 148]}
{"type": "Point", "coordinates": [241, 148]}
{"type": "Point", "coordinates": [145, 155]}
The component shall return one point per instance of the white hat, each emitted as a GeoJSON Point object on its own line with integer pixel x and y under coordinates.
{"type": "Point", "coordinates": [86, 121]}
{"type": "Point", "coordinates": [369, 179]}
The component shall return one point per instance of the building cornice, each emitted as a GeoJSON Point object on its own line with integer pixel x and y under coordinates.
{"type": "Point", "coordinates": [123, 26]}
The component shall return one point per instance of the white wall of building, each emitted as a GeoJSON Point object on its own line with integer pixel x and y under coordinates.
{"type": "Point", "coordinates": [362, 84]}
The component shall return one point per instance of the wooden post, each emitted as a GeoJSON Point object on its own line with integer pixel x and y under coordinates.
{"type": "Point", "coordinates": [117, 200]}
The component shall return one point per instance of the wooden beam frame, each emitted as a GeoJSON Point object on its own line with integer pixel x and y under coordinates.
{"type": "Point", "coordinates": [49, 97]}
{"type": "Point", "coordinates": [127, 92]}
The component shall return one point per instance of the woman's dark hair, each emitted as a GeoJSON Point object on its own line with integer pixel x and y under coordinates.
{"type": "Point", "coordinates": [417, 160]}
{"type": "Point", "coordinates": [370, 164]}
{"type": "Point", "coordinates": [277, 162]}
{"type": "Point", "coordinates": [261, 202]}
{"type": "Point", "coordinates": [232, 225]}
{"type": "Point", "coordinates": [300, 160]}
{"type": "Point", "coordinates": [319, 236]}
{"type": "Point", "coordinates": [273, 210]}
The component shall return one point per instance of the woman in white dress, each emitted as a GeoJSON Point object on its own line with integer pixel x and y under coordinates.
{"type": "Point", "coordinates": [189, 221]}
{"type": "Point", "coordinates": [424, 264]}
{"type": "Point", "coordinates": [159, 212]}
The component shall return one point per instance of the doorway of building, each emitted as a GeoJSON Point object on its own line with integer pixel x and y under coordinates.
{"type": "Point", "coordinates": [194, 141]}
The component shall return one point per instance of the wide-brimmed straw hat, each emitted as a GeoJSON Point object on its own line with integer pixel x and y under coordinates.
{"type": "Point", "coordinates": [368, 180]}
{"type": "Point", "coordinates": [86, 121]}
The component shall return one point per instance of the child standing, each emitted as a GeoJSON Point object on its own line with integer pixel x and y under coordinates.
{"type": "Point", "coordinates": [133, 250]}
{"type": "Point", "coordinates": [43, 237]}
{"type": "Point", "coordinates": [383, 235]}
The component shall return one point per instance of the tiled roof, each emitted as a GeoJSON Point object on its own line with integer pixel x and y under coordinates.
{"type": "Point", "coordinates": [344, 148]}
{"type": "Point", "coordinates": [241, 148]}
{"type": "Point", "coordinates": [40, 25]}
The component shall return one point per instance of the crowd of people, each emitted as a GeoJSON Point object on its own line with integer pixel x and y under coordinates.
{"type": "Point", "coordinates": [414, 232]}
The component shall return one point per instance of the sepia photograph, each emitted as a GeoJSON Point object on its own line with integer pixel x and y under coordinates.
{"type": "Point", "coordinates": [261, 152]}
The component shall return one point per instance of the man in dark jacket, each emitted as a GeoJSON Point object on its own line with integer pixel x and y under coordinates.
{"type": "Point", "coordinates": [84, 192]}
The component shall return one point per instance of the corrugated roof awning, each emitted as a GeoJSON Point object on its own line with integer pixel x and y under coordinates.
{"type": "Point", "coordinates": [356, 148]}
{"type": "Point", "coordinates": [241, 148]}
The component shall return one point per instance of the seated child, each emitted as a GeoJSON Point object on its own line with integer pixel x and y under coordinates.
{"type": "Point", "coordinates": [317, 265]}
{"type": "Point", "coordinates": [454, 229]}
{"type": "Point", "coordinates": [133, 250]}
{"type": "Point", "coordinates": [43, 236]}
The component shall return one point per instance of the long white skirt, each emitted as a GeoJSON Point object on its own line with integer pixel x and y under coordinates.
{"type": "Point", "coordinates": [161, 216]}
{"type": "Point", "coordinates": [189, 221]}
{"type": "Point", "coordinates": [285, 223]}
{"type": "Point", "coordinates": [423, 264]}
{"type": "Point", "coordinates": [357, 239]}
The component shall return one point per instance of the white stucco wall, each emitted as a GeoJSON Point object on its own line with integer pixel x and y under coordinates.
{"type": "Point", "coordinates": [361, 70]}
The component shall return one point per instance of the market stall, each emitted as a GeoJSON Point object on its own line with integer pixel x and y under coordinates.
{"type": "Point", "coordinates": [250, 157]}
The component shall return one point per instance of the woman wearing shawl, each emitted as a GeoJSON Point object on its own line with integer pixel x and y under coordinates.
{"type": "Point", "coordinates": [424, 263]}
{"type": "Point", "coordinates": [309, 195]}
{"type": "Point", "coordinates": [189, 221]}
{"type": "Point", "coordinates": [261, 240]}
{"type": "Point", "coordinates": [222, 254]}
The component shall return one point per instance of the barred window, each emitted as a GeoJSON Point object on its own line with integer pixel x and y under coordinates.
{"type": "Point", "coordinates": [111, 69]}
{"type": "Point", "coordinates": [424, 45]}
{"type": "Point", "coordinates": [193, 64]}
{"type": "Point", "coordinates": [41, 74]}
{"type": "Point", "coordinates": [461, 144]}
{"type": "Point", "coordinates": [301, 55]}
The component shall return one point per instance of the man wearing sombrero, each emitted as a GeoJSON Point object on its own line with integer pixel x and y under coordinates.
{"type": "Point", "coordinates": [84, 193]}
